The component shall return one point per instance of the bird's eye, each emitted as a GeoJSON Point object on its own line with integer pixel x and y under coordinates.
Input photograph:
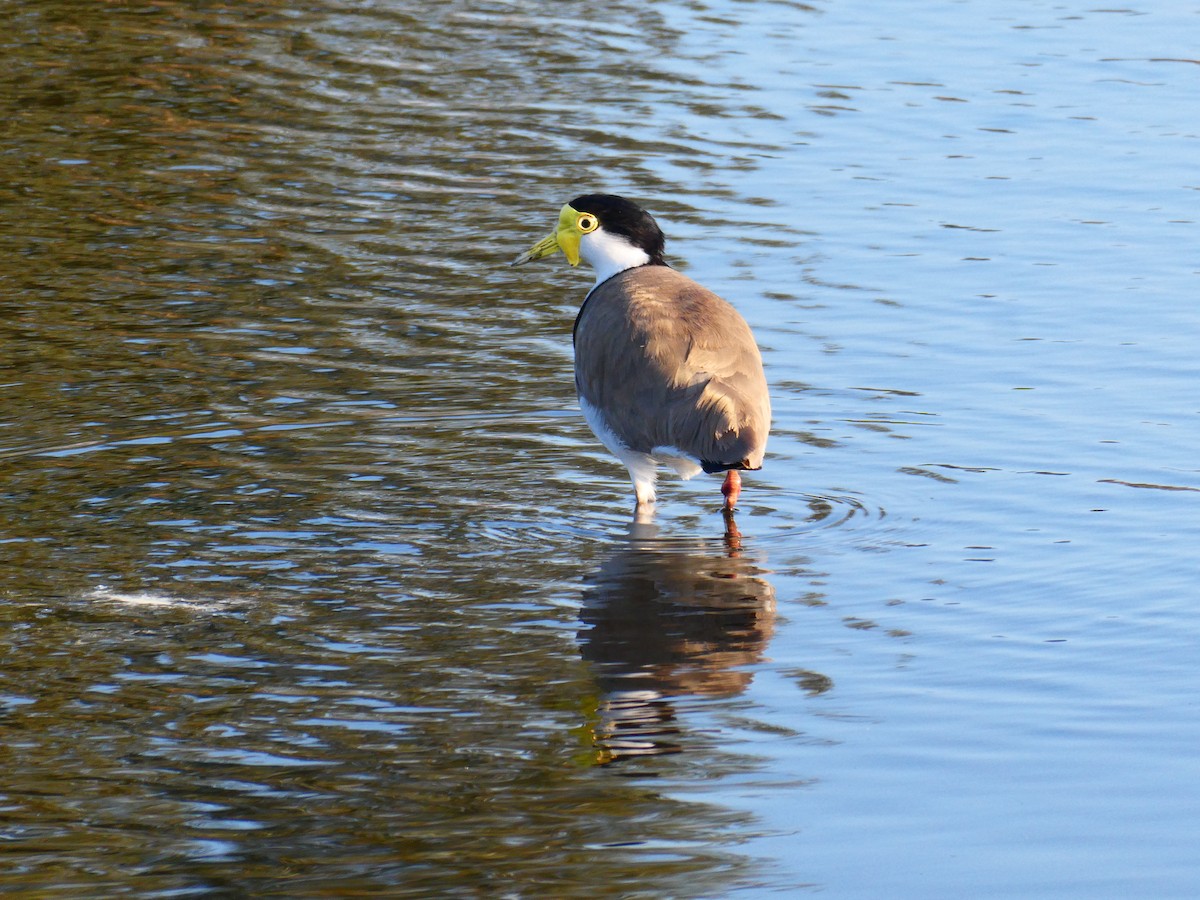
{"type": "Point", "coordinates": [587, 223]}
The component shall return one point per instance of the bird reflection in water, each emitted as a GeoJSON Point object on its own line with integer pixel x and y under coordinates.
{"type": "Point", "coordinates": [664, 618]}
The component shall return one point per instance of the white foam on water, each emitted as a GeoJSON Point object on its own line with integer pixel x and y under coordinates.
{"type": "Point", "coordinates": [149, 599]}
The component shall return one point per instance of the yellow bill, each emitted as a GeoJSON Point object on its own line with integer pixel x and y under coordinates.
{"type": "Point", "coordinates": [565, 238]}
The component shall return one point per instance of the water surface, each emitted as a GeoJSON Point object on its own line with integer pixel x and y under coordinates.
{"type": "Point", "coordinates": [314, 581]}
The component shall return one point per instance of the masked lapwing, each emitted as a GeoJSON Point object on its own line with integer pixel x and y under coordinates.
{"type": "Point", "coordinates": [666, 371]}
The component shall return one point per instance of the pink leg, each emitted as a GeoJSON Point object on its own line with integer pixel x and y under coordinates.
{"type": "Point", "coordinates": [731, 488]}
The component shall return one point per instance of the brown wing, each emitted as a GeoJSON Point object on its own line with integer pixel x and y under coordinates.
{"type": "Point", "coordinates": [669, 363]}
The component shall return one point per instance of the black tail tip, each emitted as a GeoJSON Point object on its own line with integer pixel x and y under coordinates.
{"type": "Point", "coordinates": [711, 467]}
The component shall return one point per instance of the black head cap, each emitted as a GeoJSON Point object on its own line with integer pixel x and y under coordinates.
{"type": "Point", "coordinates": [620, 216]}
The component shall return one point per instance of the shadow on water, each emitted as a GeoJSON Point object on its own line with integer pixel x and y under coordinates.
{"type": "Point", "coordinates": [666, 619]}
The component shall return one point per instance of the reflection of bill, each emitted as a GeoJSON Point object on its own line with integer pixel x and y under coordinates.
{"type": "Point", "coordinates": [664, 619]}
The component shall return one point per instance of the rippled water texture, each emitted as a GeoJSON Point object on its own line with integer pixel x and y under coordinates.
{"type": "Point", "coordinates": [314, 582]}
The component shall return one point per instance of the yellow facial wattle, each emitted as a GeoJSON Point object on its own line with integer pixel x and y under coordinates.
{"type": "Point", "coordinates": [572, 226]}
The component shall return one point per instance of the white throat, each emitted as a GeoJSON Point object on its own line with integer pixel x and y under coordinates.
{"type": "Point", "coordinates": [609, 254]}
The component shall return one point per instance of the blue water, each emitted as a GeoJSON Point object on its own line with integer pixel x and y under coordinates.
{"type": "Point", "coordinates": [967, 239]}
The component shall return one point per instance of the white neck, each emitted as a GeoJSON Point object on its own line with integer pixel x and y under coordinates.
{"type": "Point", "coordinates": [609, 254]}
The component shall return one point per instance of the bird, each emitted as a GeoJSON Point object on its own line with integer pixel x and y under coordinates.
{"type": "Point", "coordinates": [666, 371]}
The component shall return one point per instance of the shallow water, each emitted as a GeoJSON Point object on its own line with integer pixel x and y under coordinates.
{"type": "Point", "coordinates": [315, 582]}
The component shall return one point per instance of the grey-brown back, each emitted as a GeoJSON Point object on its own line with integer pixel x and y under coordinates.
{"type": "Point", "coordinates": [668, 363]}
